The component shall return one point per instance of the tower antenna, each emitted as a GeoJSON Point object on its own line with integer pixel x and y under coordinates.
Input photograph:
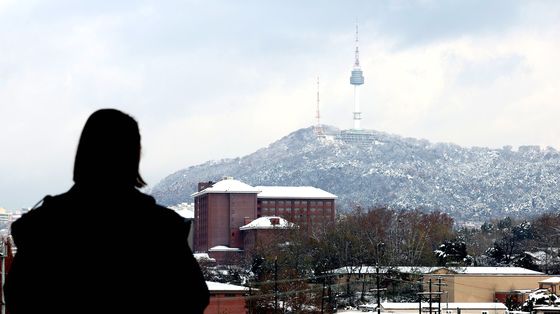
{"type": "Point", "coordinates": [318, 127]}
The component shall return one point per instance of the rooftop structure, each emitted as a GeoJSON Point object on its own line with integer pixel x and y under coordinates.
{"type": "Point", "coordinates": [268, 223]}
{"type": "Point", "coordinates": [227, 185]}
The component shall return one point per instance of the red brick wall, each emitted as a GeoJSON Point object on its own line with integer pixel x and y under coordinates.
{"type": "Point", "coordinates": [241, 206]}
{"type": "Point", "coordinates": [218, 219]}
{"type": "Point", "coordinates": [230, 304]}
{"type": "Point", "coordinates": [307, 213]}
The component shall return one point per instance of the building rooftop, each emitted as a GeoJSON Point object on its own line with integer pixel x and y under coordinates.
{"type": "Point", "coordinates": [451, 305]}
{"type": "Point", "coordinates": [223, 248]}
{"type": "Point", "coordinates": [551, 280]}
{"type": "Point", "coordinates": [266, 222]}
{"type": "Point", "coordinates": [296, 192]}
{"type": "Point", "coordinates": [427, 270]}
{"type": "Point", "coordinates": [218, 286]}
{"type": "Point", "coordinates": [228, 185]}
{"type": "Point", "coordinates": [493, 270]}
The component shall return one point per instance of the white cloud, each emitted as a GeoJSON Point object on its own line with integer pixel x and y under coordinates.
{"type": "Point", "coordinates": [208, 81]}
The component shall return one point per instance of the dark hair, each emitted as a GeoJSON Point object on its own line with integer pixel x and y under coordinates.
{"type": "Point", "coordinates": [108, 153]}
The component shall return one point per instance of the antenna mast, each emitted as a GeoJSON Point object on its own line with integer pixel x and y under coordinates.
{"type": "Point", "coordinates": [318, 127]}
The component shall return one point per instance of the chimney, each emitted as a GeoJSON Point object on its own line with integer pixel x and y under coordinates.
{"type": "Point", "coordinates": [204, 185]}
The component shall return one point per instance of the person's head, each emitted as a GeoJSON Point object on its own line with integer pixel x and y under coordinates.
{"type": "Point", "coordinates": [108, 153]}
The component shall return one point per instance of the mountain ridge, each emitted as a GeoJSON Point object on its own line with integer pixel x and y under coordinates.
{"type": "Point", "coordinates": [403, 173]}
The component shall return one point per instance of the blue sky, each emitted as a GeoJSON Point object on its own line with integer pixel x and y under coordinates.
{"type": "Point", "coordinates": [217, 79]}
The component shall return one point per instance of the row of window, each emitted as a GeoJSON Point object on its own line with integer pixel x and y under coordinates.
{"type": "Point", "coordinates": [295, 210]}
{"type": "Point", "coordinates": [296, 203]}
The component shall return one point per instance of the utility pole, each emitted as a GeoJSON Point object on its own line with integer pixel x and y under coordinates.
{"type": "Point", "coordinates": [378, 291]}
{"type": "Point", "coordinates": [439, 293]}
{"type": "Point", "coordinates": [420, 297]}
{"type": "Point", "coordinates": [323, 297]}
{"type": "Point", "coordinates": [430, 295]}
{"type": "Point", "coordinates": [275, 284]}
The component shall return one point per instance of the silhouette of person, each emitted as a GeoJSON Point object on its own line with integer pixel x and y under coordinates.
{"type": "Point", "coordinates": [103, 246]}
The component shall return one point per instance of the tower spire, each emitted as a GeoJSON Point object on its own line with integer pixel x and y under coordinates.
{"type": "Point", "coordinates": [357, 52]}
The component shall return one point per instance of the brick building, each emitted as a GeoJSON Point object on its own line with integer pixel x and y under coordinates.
{"type": "Point", "coordinates": [222, 208]}
{"type": "Point", "coordinates": [226, 298]}
{"type": "Point", "coordinates": [264, 230]}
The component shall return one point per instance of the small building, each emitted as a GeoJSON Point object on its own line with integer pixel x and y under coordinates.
{"type": "Point", "coordinates": [551, 284]}
{"type": "Point", "coordinates": [461, 284]}
{"type": "Point", "coordinates": [263, 231]}
{"type": "Point", "coordinates": [446, 308]}
{"type": "Point", "coordinates": [226, 298]}
{"type": "Point", "coordinates": [484, 284]}
{"type": "Point", "coordinates": [546, 310]}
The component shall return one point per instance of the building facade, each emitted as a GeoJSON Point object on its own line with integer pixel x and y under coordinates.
{"type": "Point", "coordinates": [307, 207]}
{"type": "Point", "coordinates": [220, 210]}
{"type": "Point", "coordinates": [224, 207]}
{"type": "Point", "coordinates": [226, 298]}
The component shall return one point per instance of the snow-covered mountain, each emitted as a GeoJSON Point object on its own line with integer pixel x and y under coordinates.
{"type": "Point", "coordinates": [469, 183]}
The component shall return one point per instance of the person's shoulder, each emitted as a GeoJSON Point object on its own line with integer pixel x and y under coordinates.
{"type": "Point", "coordinates": [43, 209]}
{"type": "Point", "coordinates": [156, 209]}
{"type": "Point", "coordinates": [39, 216]}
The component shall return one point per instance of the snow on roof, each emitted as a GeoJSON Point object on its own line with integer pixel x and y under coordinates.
{"type": "Point", "coordinates": [203, 256]}
{"type": "Point", "coordinates": [228, 185]}
{"type": "Point", "coordinates": [551, 280]}
{"type": "Point", "coordinates": [222, 248]}
{"type": "Point", "coordinates": [266, 223]}
{"type": "Point", "coordinates": [494, 270]}
{"type": "Point", "coordinates": [427, 270]}
{"type": "Point", "coordinates": [450, 305]}
{"type": "Point", "coordinates": [299, 192]}
{"type": "Point", "coordinates": [382, 269]}
{"type": "Point", "coordinates": [218, 286]}
{"type": "Point", "coordinates": [548, 308]}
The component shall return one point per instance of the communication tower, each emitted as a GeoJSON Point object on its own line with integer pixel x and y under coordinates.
{"type": "Point", "coordinates": [318, 127]}
{"type": "Point", "coordinates": [357, 79]}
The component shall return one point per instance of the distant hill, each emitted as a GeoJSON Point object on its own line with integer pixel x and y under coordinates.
{"type": "Point", "coordinates": [468, 183]}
